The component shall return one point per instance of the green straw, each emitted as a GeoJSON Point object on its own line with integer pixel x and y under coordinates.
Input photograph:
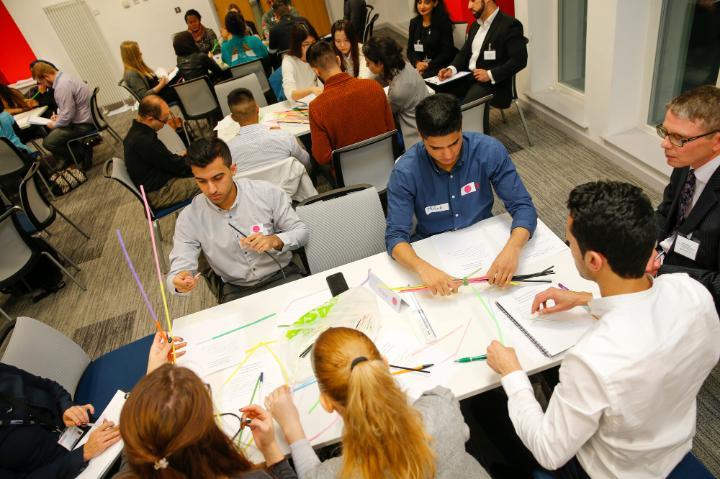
{"type": "Point", "coordinates": [490, 313]}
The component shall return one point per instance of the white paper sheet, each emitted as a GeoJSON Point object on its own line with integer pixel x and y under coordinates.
{"type": "Point", "coordinates": [38, 120]}
{"type": "Point", "coordinates": [556, 332]}
{"type": "Point", "coordinates": [436, 81]}
{"type": "Point", "coordinates": [461, 253]}
{"type": "Point", "coordinates": [99, 465]}
{"type": "Point", "coordinates": [307, 99]}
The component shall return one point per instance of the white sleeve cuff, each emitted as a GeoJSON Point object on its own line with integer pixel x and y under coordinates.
{"type": "Point", "coordinates": [514, 382]}
{"type": "Point", "coordinates": [454, 70]}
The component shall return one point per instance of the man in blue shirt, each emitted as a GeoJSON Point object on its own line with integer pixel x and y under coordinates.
{"type": "Point", "coordinates": [447, 182]}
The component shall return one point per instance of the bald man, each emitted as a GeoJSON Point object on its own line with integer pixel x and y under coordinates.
{"type": "Point", "coordinates": [165, 176]}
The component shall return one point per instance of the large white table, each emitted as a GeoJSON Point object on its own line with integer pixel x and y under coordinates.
{"type": "Point", "coordinates": [462, 325]}
{"type": "Point", "coordinates": [228, 128]}
{"type": "Point", "coordinates": [23, 119]}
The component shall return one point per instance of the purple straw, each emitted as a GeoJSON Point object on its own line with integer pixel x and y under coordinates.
{"type": "Point", "coordinates": [137, 279]}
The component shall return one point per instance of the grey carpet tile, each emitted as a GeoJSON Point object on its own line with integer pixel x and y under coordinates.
{"type": "Point", "coordinates": [707, 437]}
{"type": "Point", "coordinates": [115, 332]}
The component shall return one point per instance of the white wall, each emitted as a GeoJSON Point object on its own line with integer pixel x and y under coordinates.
{"type": "Point", "coordinates": [149, 22]}
{"type": "Point", "coordinates": [393, 13]}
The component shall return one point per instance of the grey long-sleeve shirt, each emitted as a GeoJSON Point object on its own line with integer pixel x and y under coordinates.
{"type": "Point", "coordinates": [259, 207]}
{"type": "Point", "coordinates": [444, 423]}
{"type": "Point", "coordinates": [73, 100]}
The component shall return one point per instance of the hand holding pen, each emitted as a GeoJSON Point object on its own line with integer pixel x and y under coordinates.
{"type": "Point", "coordinates": [185, 281]}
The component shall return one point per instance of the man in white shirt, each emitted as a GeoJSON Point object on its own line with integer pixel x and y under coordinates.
{"type": "Point", "coordinates": [494, 51]}
{"type": "Point", "coordinates": [256, 145]}
{"type": "Point", "coordinates": [625, 404]}
{"type": "Point", "coordinates": [688, 218]}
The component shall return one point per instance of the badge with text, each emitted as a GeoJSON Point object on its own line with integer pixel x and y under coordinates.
{"type": "Point", "coordinates": [419, 47]}
{"type": "Point", "coordinates": [686, 247]}
{"type": "Point", "coordinates": [70, 437]}
{"type": "Point", "coordinates": [392, 298]}
{"type": "Point", "coordinates": [489, 55]}
{"type": "Point", "coordinates": [263, 229]}
{"type": "Point", "coordinates": [437, 208]}
{"type": "Point", "coordinates": [469, 188]}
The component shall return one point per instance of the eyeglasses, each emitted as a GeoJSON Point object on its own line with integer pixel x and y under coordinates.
{"type": "Point", "coordinates": [677, 140]}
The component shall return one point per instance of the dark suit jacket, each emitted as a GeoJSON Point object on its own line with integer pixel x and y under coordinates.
{"type": "Point", "coordinates": [31, 451]}
{"type": "Point", "coordinates": [506, 38]}
{"type": "Point", "coordinates": [356, 11]}
{"type": "Point", "coordinates": [438, 46]}
{"type": "Point", "coordinates": [703, 222]}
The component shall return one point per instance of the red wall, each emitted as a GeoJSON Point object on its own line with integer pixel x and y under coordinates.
{"type": "Point", "coordinates": [459, 11]}
{"type": "Point", "coordinates": [15, 54]}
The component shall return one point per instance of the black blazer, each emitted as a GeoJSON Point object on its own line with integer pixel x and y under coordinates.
{"type": "Point", "coordinates": [703, 223]}
{"type": "Point", "coordinates": [438, 45]}
{"type": "Point", "coordinates": [506, 38]}
{"type": "Point", "coordinates": [196, 65]}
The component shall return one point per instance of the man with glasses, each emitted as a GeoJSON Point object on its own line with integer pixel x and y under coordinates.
{"type": "Point", "coordinates": [688, 218]}
{"type": "Point", "coordinates": [164, 175]}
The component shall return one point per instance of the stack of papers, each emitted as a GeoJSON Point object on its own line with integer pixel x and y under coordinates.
{"type": "Point", "coordinates": [99, 465]}
{"type": "Point", "coordinates": [436, 81]}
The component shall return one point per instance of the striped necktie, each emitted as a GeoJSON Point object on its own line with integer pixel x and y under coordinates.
{"type": "Point", "coordinates": [686, 197]}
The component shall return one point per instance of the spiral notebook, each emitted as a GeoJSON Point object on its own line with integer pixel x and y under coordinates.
{"type": "Point", "coordinates": [551, 334]}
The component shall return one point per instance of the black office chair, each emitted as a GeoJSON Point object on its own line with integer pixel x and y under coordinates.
{"type": "Point", "coordinates": [100, 125]}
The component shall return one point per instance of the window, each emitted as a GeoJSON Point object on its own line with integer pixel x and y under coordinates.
{"type": "Point", "coordinates": [688, 52]}
{"type": "Point", "coordinates": [572, 31]}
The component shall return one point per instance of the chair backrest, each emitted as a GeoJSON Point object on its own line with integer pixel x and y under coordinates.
{"type": "Point", "coordinates": [255, 67]}
{"type": "Point", "coordinates": [288, 174]}
{"type": "Point", "coordinates": [97, 116]}
{"type": "Point", "coordinates": [276, 83]}
{"type": "Point", "coordinates": [17, 254]}
{"type": "Point", "coordinates": [369, 29]}
{"type": "Point", "coordinates": [196, 98]}
{"type": "Point", "coordinates": [11, 160]}
{"type": "Point", "coordinates": [459, 34]}
{"type": "Point", "coordinates": [116, 169]}
{"type": "Point", "coordinates": [369, 161]}
{"type": "Point", "coordinates": [473, 114]}
{"type": "Point", "coordinates": [122, 83]}
{"type": "Point", "coordinates": [41, 350]}
{"type": "Point", "coordinates": [171, 139]}
{"type": "Point", "coordinates": [250, 81]}
{"type": "Point", "coordinates": [344, 229]}
{"type": "Point", "coordinates": [368, 16]}
{"type": "Point", "coordinates": [38, 209]}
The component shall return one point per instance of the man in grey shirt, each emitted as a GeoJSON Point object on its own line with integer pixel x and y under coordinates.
{"type": "Point", "coordinates": [245, 228]}
{"type": "Point", "coordinates": [73, 117]}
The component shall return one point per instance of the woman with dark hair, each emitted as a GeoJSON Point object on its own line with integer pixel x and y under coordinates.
{"type": "Point", "coordinates": [406, 86]}
{"type": "Point", "coordinates": [13, 100]}
{"type": "Point", "coordinates": [205, 38]}
{"type": "Point", "coordinates": [170, 431]}
{"type": "Point", "coordinates": [299, 80]}
{"type": "Point", "coordinates": [349, 49]}
{"type": "Point", "coordinates": [250, 27]}
{"type": "Point", "coordinates": [191, 62]}
{"type": "Point", "coordinates": [240, 48]}
{"type": "Point", "coordinates": [430, 38]}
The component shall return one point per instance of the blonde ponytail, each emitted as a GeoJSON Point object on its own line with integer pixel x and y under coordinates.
{"type": "Point", "coordinates": [384, 434]}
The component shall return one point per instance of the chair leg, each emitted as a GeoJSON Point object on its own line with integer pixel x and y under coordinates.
{"type": "Point", "coordinates": [161, 255]}
{"type": "Point", "coordinates": [72, 224]}
{"type": "Point", "coordinates": [64, 257]}
{"type": "Point", "coordinates": [5, 326]}
{"type": "Point", "coordinates": [72, 154]}
{"type": "Point", "coordinates": [522, 118]}
{"type": "Point", "coordinates": [114, 134]}
{"type": "Point", "coordinates": [64, 270]}
{"type": "Point", "coordinates": [502, 114]}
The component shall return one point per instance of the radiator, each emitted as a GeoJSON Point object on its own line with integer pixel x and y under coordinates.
{"type": "Point", "coordinates": [80, 35]}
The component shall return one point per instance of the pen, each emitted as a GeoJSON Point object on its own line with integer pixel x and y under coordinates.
{"type": "Point", "coordinates": [470, 359]}
{"type": "Point", "coordinates": [246, 421]}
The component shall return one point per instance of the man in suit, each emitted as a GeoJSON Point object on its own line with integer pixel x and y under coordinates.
{"type": "Point", "coordinates": [494, 51]}
{"type": "Point", "coordinates": [688, 219]}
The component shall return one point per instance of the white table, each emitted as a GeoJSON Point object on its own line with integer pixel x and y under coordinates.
{"type": "Point", "coordinates": [22, 119]}
{"type": "Point", "coordinates": [461, 324]}
{"type": "Point", "coordinates": [228, 128]}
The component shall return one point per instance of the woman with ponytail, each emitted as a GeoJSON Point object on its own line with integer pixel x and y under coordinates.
{"type": "Point", "coordinates": [170, 432]}
{"type": "Point", "coordinates": [384, 436]}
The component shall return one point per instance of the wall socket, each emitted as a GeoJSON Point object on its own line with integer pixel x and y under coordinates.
{"type": "Point", "coordinates": [177, 10]}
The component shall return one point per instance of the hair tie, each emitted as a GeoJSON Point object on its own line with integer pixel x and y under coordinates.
{"type": "Point", "coordinates": [161, 463]}
{"type": "Point", "coordinates": [357, 361]}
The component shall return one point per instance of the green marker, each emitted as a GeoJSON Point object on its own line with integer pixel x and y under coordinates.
{"type": "Point", "coordinates": [471, 359]}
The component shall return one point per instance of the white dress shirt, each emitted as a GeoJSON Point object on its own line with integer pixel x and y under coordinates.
{"type": "Point", "coordinates": [201, 225]}
{"type": "Point", "coordinates": [625, 404]}
{"type": "Point", "coordinates": [702, 176]}
{"type": "Point", "coordinates": [477, 43]}
{"type": "Point", "coordinates": [256, 145]}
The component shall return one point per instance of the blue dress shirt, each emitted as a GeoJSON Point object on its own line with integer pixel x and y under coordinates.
{"type": "Point", "coordinates": [443, 201]}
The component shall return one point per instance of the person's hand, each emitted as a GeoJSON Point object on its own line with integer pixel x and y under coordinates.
{"type": "Point", "coordinates": [421, 67]}
{"type": "Point", "coordinates": [175, 122]}
{"type": "Point", "coordinates": [41, 88]}
{"type": "Point", "coordinates": [481, 75]}
{"type": "Point", "coordinates": [438, 281]}
{"type": "Point", "coordinates": [184, 281]}
{"type": "Point", "coordinates": [261, 243]}
{"type": "Point", "coordinates": [101, 438]}
{"type": "Point", "coordinates": [161, 352]}
{"type": "Point", "coordinates": [281, 406]}
{"type": "Point", "coordinates": [31, 103]}
{"type": "Point", "coordinates": [261, 425]}
{"type": "Point", "coordinates": [53, 117]}
{"type": "Point", "coordinates": [317, 90]}
{"type": "Point", "coordinates": [78, 415]}
{"type": "Point", "coordinates": [445, 73]}
{"type": "Point", "coordinates": [502, 360]}
{"type": "Point", "coordinates": [503, 268]}
{"type": "Point", "coordinates": [563, 300]}
{"type": "Point", "coordinates": [210, 54]}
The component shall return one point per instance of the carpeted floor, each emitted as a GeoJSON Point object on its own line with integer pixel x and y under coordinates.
{"type": "Point", "coordinates": [111, 312]}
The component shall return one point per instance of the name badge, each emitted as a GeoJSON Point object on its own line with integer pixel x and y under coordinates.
{"type": "Point", "coordinates": [437, 208]}
{"type": "Point", "coordinates": [469, 188]}
{"type": "Point", "coordinates": [686, 247]}
{"type": "Point", "coordinates": [489, 55]}
{"type": "Point", "coordinates": [262, 228]}
{"type": "Point", "coordinates": [419, 47]}
{"type": "Point", "coordinates": [70, 437]}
